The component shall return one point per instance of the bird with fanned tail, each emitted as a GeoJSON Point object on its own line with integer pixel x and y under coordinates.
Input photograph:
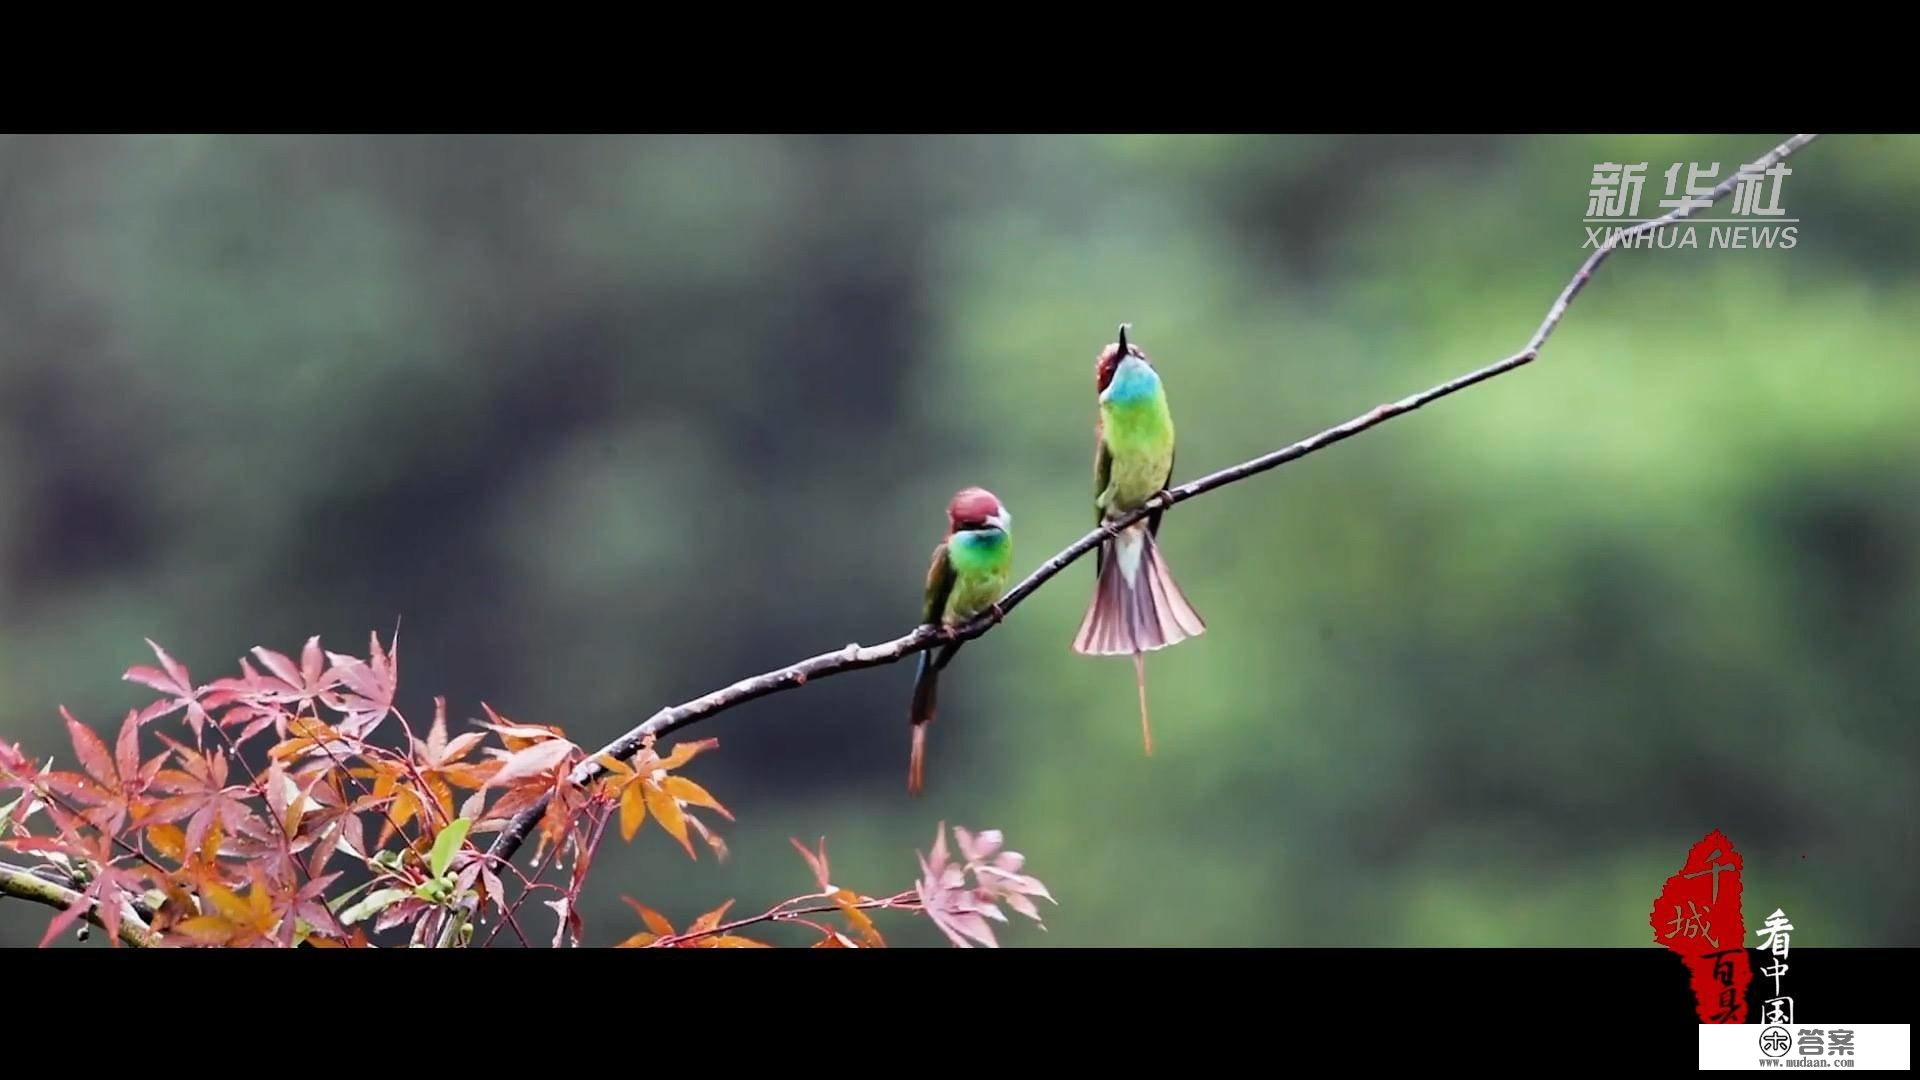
{"type": "Point", "coordinates": [1137, 607]}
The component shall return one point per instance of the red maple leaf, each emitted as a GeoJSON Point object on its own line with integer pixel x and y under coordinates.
{"type": "Point", "coordinates": [299, 685]}
{"type": "Point", "coordinates": [114, 785]}
{"type": "Point", "coordinates": [440, 760]}
{"type": "Point", "coordinates": [336, 821]}
{"type": "Point", "coordinates": [17, 774]}
{"type": "Point", "coordinates": [370, 686]}
{"type": "Point", "coordinates": [253, 704]}
{"type": "Point", "coordinates": [308, 904]}
{"type": "Point", "coordinates": [171, 679]}
{"type": "Point", "coordinates": [199, 792]}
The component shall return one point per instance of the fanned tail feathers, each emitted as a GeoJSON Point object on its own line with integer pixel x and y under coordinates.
{"type": "Point", "coordinates": [1137, 607]}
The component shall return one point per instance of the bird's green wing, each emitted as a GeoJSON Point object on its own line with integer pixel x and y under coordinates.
{"type": "Point", "coordinates": [939, 585]}
{"type": "Point", "coordinates": [1153, 519]}
{"type": "Point", "coordinates": [1102, 472]}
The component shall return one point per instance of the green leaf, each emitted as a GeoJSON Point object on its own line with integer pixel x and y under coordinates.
{"type": "Point", "coordinates": [373, 905]}
{"type": "Point", "coordinates": [446, 844]}
{"type": "Point", "coordinates": [334, 905]}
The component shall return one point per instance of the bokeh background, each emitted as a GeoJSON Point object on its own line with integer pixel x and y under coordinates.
{"type": "Point", "coordinates": [610, 422]}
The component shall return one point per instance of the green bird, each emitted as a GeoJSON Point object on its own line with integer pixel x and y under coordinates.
{"type": "Point", "coordinates": [970, 571]}
{"type": "Point", "coordinates": [1136, 605]}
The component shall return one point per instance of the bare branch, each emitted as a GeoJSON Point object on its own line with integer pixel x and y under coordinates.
{"type": "Point", "coordinates": [855, 656]}
{"type": "Point", "coordinates": [24, 884]}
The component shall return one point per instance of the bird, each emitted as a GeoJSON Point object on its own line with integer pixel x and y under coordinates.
{"type": "Point", "coordinates": [967, 578]}
{"type": "Point", "coordinates": [1137, 607]}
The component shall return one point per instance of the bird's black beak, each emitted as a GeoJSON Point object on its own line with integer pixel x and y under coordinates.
{"type": "Point", "coordinates": [1123, 340]}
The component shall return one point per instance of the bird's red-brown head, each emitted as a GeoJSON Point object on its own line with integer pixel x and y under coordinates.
{"type": "Point", "coordinates": [976, 508]}
{"type": "Point", "coordinates": [1110, 358]}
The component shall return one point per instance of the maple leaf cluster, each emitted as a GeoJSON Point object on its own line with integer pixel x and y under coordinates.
{"type": "Point", "coordinates": [294, 805]}
{"type": "Point", "coordinates": [959, 898]}
{"type": "Point", "coordinates": [276, 788]}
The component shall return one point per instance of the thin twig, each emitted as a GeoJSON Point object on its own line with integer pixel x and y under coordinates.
{"type": "Point", "coordinates": [906, 901]}
{"type": "Point", "coordinates": [446, 937]}
{"type": "Point", "coordinates": [855, 656]}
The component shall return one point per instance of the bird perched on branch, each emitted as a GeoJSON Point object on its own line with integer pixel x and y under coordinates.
{"type": "Point", "coordinates": [1136, 606]}
{"type": "Point", "coordinates": [970, 571]}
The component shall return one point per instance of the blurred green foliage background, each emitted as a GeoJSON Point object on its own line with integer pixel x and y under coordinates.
{"type": "Point", "coordinates": [610, 422]}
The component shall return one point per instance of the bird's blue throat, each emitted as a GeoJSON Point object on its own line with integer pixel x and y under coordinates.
{"type": "Point", "coordinates": [1133, 383]}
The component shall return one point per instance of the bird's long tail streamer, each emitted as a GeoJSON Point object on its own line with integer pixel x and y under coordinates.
{"type": "Point", "coordinates": [917, 761]}
{"type": "Point", "coordinates": [1140, 680]}
{"type": "Point", "coordinates": [926, 687]}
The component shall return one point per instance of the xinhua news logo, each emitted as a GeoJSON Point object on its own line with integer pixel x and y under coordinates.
{"type": "Point", "coordinates": [1751, 217]}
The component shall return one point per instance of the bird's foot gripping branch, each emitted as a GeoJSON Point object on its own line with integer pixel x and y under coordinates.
{"type": "Point", "coordinates": [261, 810]}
